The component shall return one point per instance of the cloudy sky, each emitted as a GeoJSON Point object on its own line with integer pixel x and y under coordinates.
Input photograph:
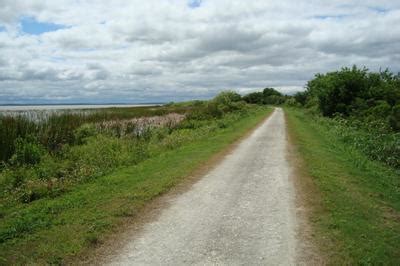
{"type": "Point", "coordinates": [162, 50]}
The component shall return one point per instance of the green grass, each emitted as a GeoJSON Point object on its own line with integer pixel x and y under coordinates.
{"type": "Point", "coordinates": [53, 230]}
{"type": "Point", "coordinates": [356, 205]}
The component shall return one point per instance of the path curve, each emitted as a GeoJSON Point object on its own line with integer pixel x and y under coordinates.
{"type": "Point", "coordinates": [241, 212]}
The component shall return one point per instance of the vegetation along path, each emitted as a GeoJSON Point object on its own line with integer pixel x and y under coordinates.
{"type": "Point", "coordinates": [241, 211]}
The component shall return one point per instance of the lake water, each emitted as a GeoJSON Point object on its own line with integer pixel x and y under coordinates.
{"type": "Point", "coordinates": [38, 113]}
{"type": "Point", "coordinates": [66, 107]}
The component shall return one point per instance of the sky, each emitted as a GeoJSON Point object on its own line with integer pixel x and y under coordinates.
{"type": "Point", "coordinates": [95, 51]}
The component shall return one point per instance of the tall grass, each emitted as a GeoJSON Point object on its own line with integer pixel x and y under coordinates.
{"type": "Point", "coordinates": [372, 138]}
{"type": "Point", "coordinates": [10, 129]}
{"type": "Point", "coordinates": [57, 129]}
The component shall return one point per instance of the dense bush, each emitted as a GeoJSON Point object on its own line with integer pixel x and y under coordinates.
{"type": "Point", "coordinates": [356, 93]}
{"type": "Point", "coordinates": [372, 139]}
{"type": "Point", "coordinates": [394, 117]}
{"type": "Point", "coordinates": [364, 107]}
{"type": "Point", "coordinates": [254, 98]}
{"type": "Point", "coordinates": [223, 103]}
{"type": "Point", "coordinates": [267, 96]}
{"type": "Point", "coordinates": [301, 97]}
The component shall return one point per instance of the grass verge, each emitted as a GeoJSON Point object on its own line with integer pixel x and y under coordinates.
{"type": "Point", "coordinates": [356, 202]}
{"type": "Point", "coordinates": [60, 228]}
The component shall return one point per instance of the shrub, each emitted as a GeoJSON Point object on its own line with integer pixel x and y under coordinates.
{"type": "Point", "coordinates": [27, 152]}
{"type": "Point", "coordinates": [254, 98]}
{"type": "Point", "coordinates": [394, 118]}
{"type": "Point", "coordinates": [227, 98]}
{"type": "Point", "coordinates": [101, 154]}
{"type": "Point", "coordinates": [33, 189]}
{"type": "Point", "coordinates": [83, 132]}
{"type": "Point", "coordinates": [301, 97]}
{"type": "Point", "coordinates": [49, 167]}
{"type": "Point", "coordinates": [208, 111]}
{"type": "Point", "coordinates": [354, 92]}
{"type": "Point", "coordinates": [372, 139]}
{"type": "Point", "coordinates": [267, 96]}
{"type": "Point", "coordinates": [14, 178]}
{"type": "Point", "coordinates": [98, 156]}
{"type": "Point", "coordinates": [177, 138]}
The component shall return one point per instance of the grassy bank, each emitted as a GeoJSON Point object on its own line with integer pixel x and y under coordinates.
{"type": "Point", "coordinates": [52, 229]}
{"type": "Point", "coordinates": [356, 201]}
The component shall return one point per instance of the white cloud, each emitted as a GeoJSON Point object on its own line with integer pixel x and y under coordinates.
{"type": "Point", "coordinates": [170, 50]}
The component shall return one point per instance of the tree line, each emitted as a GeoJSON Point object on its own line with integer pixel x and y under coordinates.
{"type": "Point", "coordinates": [350, 93]}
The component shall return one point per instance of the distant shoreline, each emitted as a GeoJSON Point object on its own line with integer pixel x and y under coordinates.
{"type": "Point", "coordinates": [40, 104]}
{"type": "Point", "coordinates": [27, 107]}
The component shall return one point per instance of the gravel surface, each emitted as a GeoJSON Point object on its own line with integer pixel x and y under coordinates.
{"type": "Point", "coordinates": [240, 213]}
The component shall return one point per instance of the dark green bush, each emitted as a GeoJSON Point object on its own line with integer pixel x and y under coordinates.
{"type": "Point", "coordinates": [267, 96]}
{"type": "Point", "coordinates": [365, 107]}
{"type": "Point", "coordinates": [301, 97]}
{"type": "Point", "coordinates": [394, 117]}
{"type": "Point", "coordinates": [355, 93]}
{"type": "Point", "coordinates": [254, 98]}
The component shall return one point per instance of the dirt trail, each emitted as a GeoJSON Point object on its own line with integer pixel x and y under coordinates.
{"type": "Point", "coordinates": [241, 212]}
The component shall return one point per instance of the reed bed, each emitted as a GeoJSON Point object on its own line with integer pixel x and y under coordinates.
{"type": "Point", "coordinates": [55, 128]}
{"type": "Point", "coordinates": [139, 126]}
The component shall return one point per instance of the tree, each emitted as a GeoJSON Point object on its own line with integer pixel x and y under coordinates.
{"type": "Point", "coordinates": [254, 97]}
{"type": "Point", "coordinates": [301, 97]}
{"type": "Point", "coordinates": [267, 96]}
{"type": "Point", "coordinates": [357, 93]}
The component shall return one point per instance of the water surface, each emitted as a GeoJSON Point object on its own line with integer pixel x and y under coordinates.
{"type": "Point", "coordinates": [66, 106]}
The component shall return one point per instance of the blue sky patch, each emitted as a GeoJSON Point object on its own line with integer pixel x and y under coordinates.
{"type": "Point", "coordinates": [194, 3]}
{"type": "Point", "coordinates": [32, 26]}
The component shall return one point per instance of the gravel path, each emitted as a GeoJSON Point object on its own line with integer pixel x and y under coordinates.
{"type": "Point", "coordinates": [241, 213]}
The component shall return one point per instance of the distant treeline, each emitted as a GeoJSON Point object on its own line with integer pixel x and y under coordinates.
{"type": "Point", "coordinates": [361, 106]}
{"type": "Point", "coordinates": [267, 96]}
